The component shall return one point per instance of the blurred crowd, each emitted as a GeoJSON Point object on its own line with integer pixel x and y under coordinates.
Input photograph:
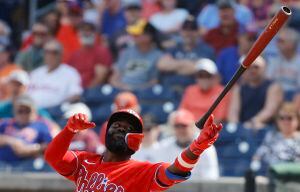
{"type": "Point", "coordinates": [166, 59]}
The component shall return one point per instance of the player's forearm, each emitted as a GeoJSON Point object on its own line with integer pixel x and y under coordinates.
{"type": "Point", "coordinates": [58, 147]}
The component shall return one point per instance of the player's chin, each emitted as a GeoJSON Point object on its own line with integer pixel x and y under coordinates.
{"type": "Point", "coordinates": [115, 143]}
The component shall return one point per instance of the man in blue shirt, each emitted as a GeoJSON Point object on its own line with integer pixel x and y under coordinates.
{"type": "Point", "coordinates": [24, 136]}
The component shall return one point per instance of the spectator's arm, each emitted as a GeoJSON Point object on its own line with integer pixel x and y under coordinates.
{"type": "Point", "coordinates": [186, 67]}
{"type": "Point", "coordinates": [234, 106]}
{"type": "Point", "coordinates": [101, 73]}
{"type": "Point", "coordinates": [115, 80]}
{"type": "Point", "coordinates": [167, 64]}
{"type": "Point", "coordinates": [273, 100]}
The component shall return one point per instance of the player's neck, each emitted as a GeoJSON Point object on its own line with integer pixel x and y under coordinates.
{"type": "Point", "coordinates": [112, 157]}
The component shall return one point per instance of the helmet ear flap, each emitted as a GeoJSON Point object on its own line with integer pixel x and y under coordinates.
{"type": "Point", "coordinates": [134, 140]}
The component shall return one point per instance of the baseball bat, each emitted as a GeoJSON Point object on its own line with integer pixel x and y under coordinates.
{"type": "Point", "coordinates": [269, 32]}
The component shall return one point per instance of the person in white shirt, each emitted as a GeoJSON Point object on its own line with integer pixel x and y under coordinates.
{"type": "Point", "coordinates": [150, 142]}
{"type": "Point", "coordinates": [55, 82]}
{"type": "Point", "coordinates": [182, 121]}
{"type": "Point", "coordinates": [170, 19]}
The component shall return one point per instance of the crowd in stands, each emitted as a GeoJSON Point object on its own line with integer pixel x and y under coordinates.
{"type": "Point", "coordinates": [166, 59]}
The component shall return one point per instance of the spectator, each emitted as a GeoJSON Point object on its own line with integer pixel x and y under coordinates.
{"type": "Point", "coordinates": [52, 21]}
{"type": "Point", "coordinates": [179, 63]}
{"type": "Point", "coordinates": [67, 32]}
{"type": "Point", "coordinates": [32, 57]}
{"type": "Point", "coordinates": [112, 19]}
{"type": "Point", "coordinates": [92, 60]}
{"type": "Point", "coordinates": [6, 68]}
{"type": "Point", "coordinates": [228, 60]}
{"type": "Point", "coordinates": [55, 82]}
{"type": "Point", "coordinates": [150, 8]}
{"type": "Point", "coordinates": [206, 89]}
{"type": "Point", "coordinates": [150, 142]}
{"type": "Point", "coordinates": [5, 32]}
{"type": "Point", "coordinates": [256, 101]}
{"type": "Point", "coordinates": [121, 39]}
{"type": "Point", "coordinates": [282, 144]}
{"type": "Point", "coordinates": [182, 121]}
{"type": "Point", "coordinates": [136, 67]}
{"type": "Point", "coordinates": [24, 136]}
{"type": "Point", "coordinates": [124, 100]}
{"type": "Point", "coordinates": [285, 67]}
{"type": "Point", "coordinates": [170, 18]}
{"type": "Point", "coordinates": [225, 34]}
{"type": "Point", "coordinates": [210, 16]}
{"type": "Point", "coordinates": [86, 140]}
{"type": "Point", "coordinates": [260, 10]}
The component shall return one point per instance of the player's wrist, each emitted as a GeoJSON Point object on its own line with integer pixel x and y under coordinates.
{"type": "Point", "coordinates": [185, 162]}
{"type": "Point", "coordinates": [196, 148]}
{"type": "Point", "coordinates": [71, 129]}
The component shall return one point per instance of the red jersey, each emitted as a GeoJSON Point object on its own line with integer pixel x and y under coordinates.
{"type": "Point", "coordinates": [92, 174]}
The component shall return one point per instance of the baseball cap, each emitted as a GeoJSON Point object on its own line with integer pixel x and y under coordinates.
{"type": "Point", "coordinates": [132, 4]}
{"type": "Point", "coordinates": [126, 100]}
{"type": "Point", "coordinates": [182, 116]}
{"type": "Point", "coordinates": [223, 4]}
{"type": "Point", "coordinates": [19, 76]}
{"type": "Point", "coordinates": [25, 100]}
{"type": "Point", "coordinates": [190, 24]}
{"type": "Point", "coordinates": [207, 65]}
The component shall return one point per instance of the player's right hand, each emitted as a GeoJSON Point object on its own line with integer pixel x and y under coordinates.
{"type": "Point", "coordinates": [79, 122]}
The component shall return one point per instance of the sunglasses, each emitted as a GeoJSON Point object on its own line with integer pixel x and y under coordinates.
{"type": "Point", "coordinates": [39, 33]}
{"type": "Point", "coordinates": [180, 126]}
{"type": "Point", "coordinates": [285, 117]}
{"type": "Point", "coordinates": [51, 51]}
{"type": "Point", "coordinates": [24, 111]}
{"type": "Point", "coordinates": [204, 76]}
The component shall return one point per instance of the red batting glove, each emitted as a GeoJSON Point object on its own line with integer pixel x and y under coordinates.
{"type": "Point", "coordinates": [209, 134]}
{"type": "Point", "coordinates": [79, 122]}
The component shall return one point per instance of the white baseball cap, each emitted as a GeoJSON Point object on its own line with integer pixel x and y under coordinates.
{"type": "Point", "coordinates": [207, 65]}
{"type": "Point", "coordinates": [19, 76]}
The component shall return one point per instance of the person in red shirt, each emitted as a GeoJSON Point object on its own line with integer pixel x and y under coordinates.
{"type": "Point", "coordinates": [226, 34]}
{"type": "Point", "coordinates": [206, 90]}
{"type": "Point", "coordinates": [92, 60]}
{"type": "Point", "coordinates": [114, 170]}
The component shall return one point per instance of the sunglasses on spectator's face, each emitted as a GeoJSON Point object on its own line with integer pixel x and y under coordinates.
{"type": "Point", "coordinates": [39, 33]}
{"type": "Point", "coordinates": [51, 51]}
{"type": "Point", "coordinates": [24, 111]}
{"type": "Point", "coordinates": [204, 76]}
{"type": "Point", "coordinates": [285, 117]}
{"type": "Point", "coordinates": [180, 126]}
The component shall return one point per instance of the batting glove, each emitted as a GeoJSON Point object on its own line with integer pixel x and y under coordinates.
{"type": "Point", "coordinates": [79, 122]}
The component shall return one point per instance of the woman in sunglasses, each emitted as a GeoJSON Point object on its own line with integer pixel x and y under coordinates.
{"type": "Point", "coordinates": [282, 144]}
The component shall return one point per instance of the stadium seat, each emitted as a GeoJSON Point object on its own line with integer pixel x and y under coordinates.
{"type": "Point", "coordinates": [101, 113]}
{"type": "Point", "coordinates": [156, 93]}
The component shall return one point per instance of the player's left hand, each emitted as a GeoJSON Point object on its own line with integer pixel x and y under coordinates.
{"type": "Point", "coordinates": [79, 122]}
{"type": "Point", "coordinates": [209, 134]}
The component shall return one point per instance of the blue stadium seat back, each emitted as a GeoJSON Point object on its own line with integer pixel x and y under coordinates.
{"type": "Point", "coordinates": [101, 113]}
{"type": "Point", "coordinates": [229, 134]}
{"type": "Point", "coordinates": [99, 95]}
{"type": "Point", "coordinates": [260, 134]}
{"type": "Point", "coordinates": [55, 112]}
{"type": "Point", "coordinates": [289, 95]}
{"type": "Point", "coordinates": [27, 165]}
{"type": "Point", "coordinates": [233, 167]}
{"type": "Point", "coordinates": [177, 80]}
{"type": "Point", "coordinates": [160, 111]}
{"type": "Point", "coordinates": [156, 93]}
{"type": "Point", "coordinates": [239, 149]}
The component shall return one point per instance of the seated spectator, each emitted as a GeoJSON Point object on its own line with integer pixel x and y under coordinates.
{"type": "Point", "coordinates": [121, 39]}
{"type": "Point", "coordinates": [136, 67]}
{"type": "Point", "coordinates": [283, 144]}
{"type": "Point", "coordinates": [199, 97]}
{"type": "Point", "coordinates": [150, 7]}
{"type": "Point", "coordinates": [6, 68]}
{"type": "Point", "coordinates": [150, 142]}
{"type": "Point", "coordinates": [33, 56]}
{"type": "Point", "coordinates": [123, 100]}
{"type": "Point", "coordinates": [55, 82]}
{"type": "Point", "coordinates": [260, 10]}
{"type": "Point", "coordinates": [86, 140]}
{"type": "Point", "coordinates": [67, 32]}
{"type": "Point", "coordinates": [112, 18]}
{"type": "Point", "coordinates": [92, 60]}
{"type": "Point", "coordinates": [179, 62]}
{"type": "Point", "coordinates": [182, 121]}
{"type": "Point", "coordinates": [209, 17]}
{"type": "Point", "coordinates": [24, 136]}
{"type": "Point", "coordinates": [284, 68]}
{"type": "Point", "coordinates": [256, 101]}
{"type": "Point", "coordinates": [225, 34]}
{"type": "Point", "coordinates": [170, 18]}
{"type": "Point", "coordinates": [52, 21]}
{"type": "Point", "coordinates": [228, 60]}
{"type": "Point", "coordinates": [17, 84]}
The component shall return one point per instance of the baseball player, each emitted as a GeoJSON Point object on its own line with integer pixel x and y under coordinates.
{"type": "Point", "coordinates": [114, 171]}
